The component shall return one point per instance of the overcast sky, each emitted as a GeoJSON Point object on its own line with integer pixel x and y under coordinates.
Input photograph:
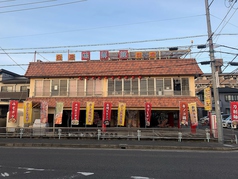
{"type": "Point", "coordinates": [58, 26]}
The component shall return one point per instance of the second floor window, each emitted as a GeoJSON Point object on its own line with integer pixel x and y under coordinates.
{"type": "Point", "coordinates": [6, 89]}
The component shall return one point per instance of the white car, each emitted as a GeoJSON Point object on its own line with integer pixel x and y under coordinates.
{"type": "Point", "coordinates": [226, 123]}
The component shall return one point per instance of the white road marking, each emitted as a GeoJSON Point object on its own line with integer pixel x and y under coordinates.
{"type": "Point", "coordinates": [86, 173]}
{"type": "Point", "coordinates": [31, 169]}
{"type": "Point", "coordinates": [139, 177]}
{"type": "Point", "coordinates": [5, 174]}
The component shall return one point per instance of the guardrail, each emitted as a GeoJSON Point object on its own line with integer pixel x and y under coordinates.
{"type": "Point", "coordinates": [110, 133]}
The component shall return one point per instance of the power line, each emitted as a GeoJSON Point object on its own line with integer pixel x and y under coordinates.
{"type": "Point", "coordinates": [25, 4]}
{"type": "Point", "coordinates": [41, 7]}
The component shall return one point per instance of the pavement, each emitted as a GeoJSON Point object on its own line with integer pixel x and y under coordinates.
{"type": "Point", "coordinates": [212, 145]}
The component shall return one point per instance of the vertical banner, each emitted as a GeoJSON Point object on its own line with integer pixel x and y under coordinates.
{"type": "Point", "coordinates": [207, 99]}
{"type": "Point", "coordinates": [107, 107]}
{"type": "Point", "coordinates": [13, 106]}
{"type": "Point", "coordinates": [59, 112]}
{"type": "Point", "coordinates": [234, 113]}
{"type": "Point", "coordinates": [183, 113]}
{"type": "Point", "coordinates": [148, 107]}
{"type": "Point", "coordinates": [89, 113]}
{"type": "Point", "coordinates": [121, 114]}
{"type": "Point", "coordinates": [75, 113]}
{"type": "Point", "coordinates": [44, 112]}
{"type": "Point", "coordinates": [27, 115]}
{"type": "Point", "coordinates": [193, 114]}
{"type": "Point", "coordinates": [214, 126]}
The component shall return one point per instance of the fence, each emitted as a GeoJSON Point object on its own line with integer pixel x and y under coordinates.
{"type": "Point", "coordinates": [111, 133]}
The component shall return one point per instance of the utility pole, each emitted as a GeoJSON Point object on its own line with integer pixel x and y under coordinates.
{"type": "Point", "coordinates": [214, 77]}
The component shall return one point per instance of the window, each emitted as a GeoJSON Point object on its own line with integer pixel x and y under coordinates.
{"type": "Point", "coordinates": [143, 86]}
{"type": "Point", "coordinates": [6, 89]}
{"type": "Point", "coordinates": [118, 86]}
{"type": "Point", "coordinates": [159, 86]}
{"type": "Point", "coordinates": [59, 87]}
{"type": "Point", "coordinates": [80, 87]}
{"type": "Point", "coordinates": [110, 87]}
{"type": "Point", "coordinates": [185, 86]}
{"type": "Point", "coordinates": [39, 88]}
{"type": "Point", "coordinates": [134, 88]}
{"type": "Point", "coordinates": [73, 87]}
{"type": "Point", "coordinates": [151, 86]}
{"type": "Point", "coordinates": [167, 84]}
{"type": "Point", "coordinates": [94, 87]}
{"type": "Point", "coordinates": [23, 88]}
{"type": "Point", "coordinates": [177, 86]}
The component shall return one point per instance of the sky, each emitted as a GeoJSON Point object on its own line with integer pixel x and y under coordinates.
{"type": "Point", "coordinates": [33, 30]}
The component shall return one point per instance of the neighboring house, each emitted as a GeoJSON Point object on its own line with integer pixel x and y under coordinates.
{"type": "Point", "coordinates": [12, 87]}
{"type": "Point", "coordinates": [162, 82]}
{"type": "Point", "coordinates": [226, 95]}
{"type": "Point", "coordinates": [225, 80]}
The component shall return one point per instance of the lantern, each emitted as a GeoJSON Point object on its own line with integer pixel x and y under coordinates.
{"type": "Point", "coordinates": [86, 78]}
{"type": "Point", "coordinates": [133, 77]}
{"type": "Point", "coordinates": [126, 77]}
{"type": "Point", "coordinates": [105, 77]}
{"type": "Point", "coordinates": [112, 77]}
{"type": "Point", "coordinates": [139, 77]}
{"type": "Point", "coordinates": [119, 77]}
{"type": "Point", "coordinates": [80, 78]}
{"type": "Point", "coordinates": [99, 77]}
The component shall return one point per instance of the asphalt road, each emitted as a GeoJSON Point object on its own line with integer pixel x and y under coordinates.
{"type": "Point", "coordinates": [112, 164]}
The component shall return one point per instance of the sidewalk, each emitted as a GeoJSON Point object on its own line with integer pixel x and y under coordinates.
{"type": "Point", "coordinates": [117, 144]}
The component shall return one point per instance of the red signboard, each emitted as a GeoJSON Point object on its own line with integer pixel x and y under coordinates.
{"type": "Point", "coordinates": [183, 110]}
{"type": "Point", "coordinates": [148, 107]}
{"type": "Point", "coordinates": [104, 55]}
{"type": "Point", "coordinates": [123, 54]}
{"type": "Point", "coordinates": [234, 110]}
{"type": "Point", "coordinates": [106, 114]}
{"type": "Point", "coordinates": [75, 113]}
{"type": "Point", "coordinates": [85, 55]}
{"type": "Point", "coordinates": [13, 111]}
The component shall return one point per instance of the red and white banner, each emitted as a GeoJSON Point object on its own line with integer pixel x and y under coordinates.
{"type": "Point", "coordinates": [183, 113]}
{"type": "Point", "coordinates": [75, 113]}
{"type": "Point", "coordinates": [13, 106]}
{"type": "Point", "coordinates": [104, 55]}
{"type": "Point", "coordinates": [123, 54]}
{"type": "Point", "coordinates": [107, 108]}
{"type": "Point", "coordinates": [234, 110]}
{"type": "Point", "coordinates": [148, 107]}
{"type": "Point", "coordinates": [85, 55]}
{"type": "Point", "coordinates": [44, 112]}
{"type": "Point", "coordinates": [214, 126]}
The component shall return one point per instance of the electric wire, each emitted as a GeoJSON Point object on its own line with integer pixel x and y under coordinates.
{"type": "Point", "coordinates": [25, 4]}
{"type": "Point", "coordinates": [41, 7]}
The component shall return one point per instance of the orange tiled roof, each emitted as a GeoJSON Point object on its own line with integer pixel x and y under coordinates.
{"type": "Point", "coordinates": [114, 68]}
{"type": "Point", "coordinates": [131, 102]}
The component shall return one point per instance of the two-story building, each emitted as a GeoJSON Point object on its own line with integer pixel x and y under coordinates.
{"type": "Point", "coordinates": [13, 87]}
{"type": "Point", "coordinates": [162, 82]}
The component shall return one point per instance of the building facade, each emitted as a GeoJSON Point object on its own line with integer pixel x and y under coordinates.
{"type": "Point", "coordinates": [13, 87]}
{"type": "Point", "coordinates": [162, 82]}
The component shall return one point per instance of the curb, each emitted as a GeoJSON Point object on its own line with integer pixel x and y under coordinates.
{"type": "Point", "coordinates": [117, 146]}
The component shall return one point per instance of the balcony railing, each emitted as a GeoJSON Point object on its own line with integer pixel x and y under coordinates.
{"type": "Point", "coordinates": [5, 96]}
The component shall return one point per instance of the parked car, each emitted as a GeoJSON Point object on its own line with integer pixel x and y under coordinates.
{"type": "Point", "coordinates": [226, 123]}
{"type": "Point", "coordinates": [204, 120]}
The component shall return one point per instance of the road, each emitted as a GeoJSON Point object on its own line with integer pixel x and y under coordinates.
{"type": "Point", "coordinates": [112, 164]}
